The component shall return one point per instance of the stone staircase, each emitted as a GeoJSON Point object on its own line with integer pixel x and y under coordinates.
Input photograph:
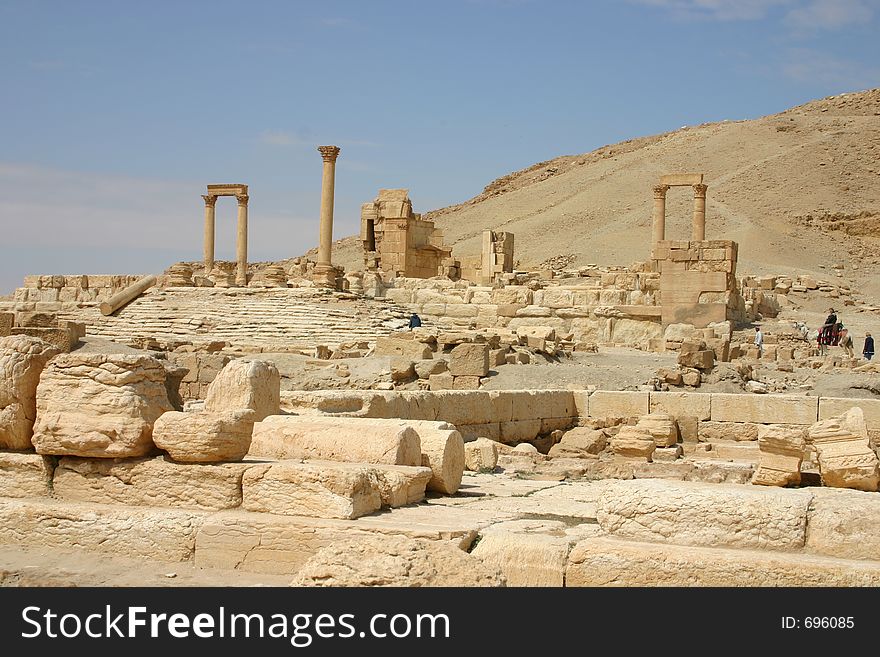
{"type": "Point", "coordinates": [282, 318]}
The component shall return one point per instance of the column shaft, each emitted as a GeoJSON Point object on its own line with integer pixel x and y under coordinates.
{"type": "Point", "coordinates": [699, 225]}
{"type": "Point", "coordinates": [210, 202]}
{"type": "Point", "coordinates": [658, 218]}
{"type": "Point", "coordinates": [328, 184]}
{"type": "Point", "coordinates": [241, 242]}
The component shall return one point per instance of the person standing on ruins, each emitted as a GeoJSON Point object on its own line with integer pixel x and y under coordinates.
{"type": "Point", "coordinates": [846, 341]}
{"type": "Point", "coordinates": [414, 321]}
{"type": "Point", "coordinates": [759, 341]}
{"type": "Point", "coordinates": [868, 350]}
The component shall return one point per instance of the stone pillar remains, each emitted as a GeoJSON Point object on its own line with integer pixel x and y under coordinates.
{"type": "Point", "coordinates": [242, 239]}
{"type": "Point", "coordinates": [210, 203]}
{"type": "Point", "coordinates": [658, 223]}
{"type": "Point", "coordinates": [699, 226]}
{"type": "Point", "coordinates": [325, 274]}
{"type": "Point", "coordinates": [127, 295]}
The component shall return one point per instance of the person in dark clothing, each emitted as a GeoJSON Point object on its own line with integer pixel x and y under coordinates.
{"type": "Point", "coordinates": [868, 350]}
{"type": "Point", "coordinates": [414, 321]}
{"type": "Point", "coordinates": [828, 332]}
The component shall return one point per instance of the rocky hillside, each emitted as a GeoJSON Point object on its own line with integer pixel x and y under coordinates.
{"type": "Point", "coordinates": [797, 190]}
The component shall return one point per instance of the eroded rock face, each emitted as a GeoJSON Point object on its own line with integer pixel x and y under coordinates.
{"type": "Point", "coordinates": [481, 455]}
{"type": "Point", "coordinates": [846, 459]}
{"type": "Point", "coordinates": [99, 405]}
{"type": "Point", "coordinates": [579, 441]}
{"type": "Point", "coordinates": [253, 384]}
{"type": "Point", "coordinates": [396, 561]}
{"type": "Point", "coordinates": [634, 442]}
{"type": "Point", "coordinates": [205, 437]}
{"type": "Point", "coordinates": [662, 428]}
{"type": "Point", "coordinates": [22, 359]}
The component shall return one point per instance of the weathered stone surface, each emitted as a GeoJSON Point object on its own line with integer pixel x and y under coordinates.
{"type": "Point", "coordinates": [681, 404]}
{"type": "Point", "coordinates": [633, 441]}
{"type": "Point", "coordinates": [253, 384]}
{"type": "Point", "coordinates": [608, 403]}
{"type": "Point", "coordinates": [661, 427]}
{"type": "Point", "coordinates": [353, 440]}
{"type": "Point", "coordinates": [709, 431]}
{"type": "Point", "coordinates": [465, 383]}
{"type": "Point", "coordinates": [443, 451]}
{"type": "Point", "coordinates": [442, 381]}
{"type": "Point", "coordinates": [765, 409]}
{"type": "Point", "coordinates": [400, 485]}
{"type": "Point", "coordinates": [690, 513]}
{"type": "Point", "coordinates": [832, 407]}
{"type": "Point", "coordinates": [22, 359]}
{"type": "Point", "coordinates": [608, 562]}
{"type": "Point", "coordinates": [161, 534]}
{"type": "Point", "coordinates": [394, 346]}
{"type": "Point", "coordinates": [205, 437]}
{"type": "Point", "coordinates": [99, 405]}
{"type": "Point", "coordinates": [426, 368]}
{"type": "Point", "coordinates": [702, 360]}
{"type": "Point", "coordinates": [396, 561]}
{"type": "Point", "coordinates": [525, 559]}
{"type": "Point", "coordinates": [667, 454]}
{"type": "Point", "coordinates": [317, 490]}
{"type": "Point", "coordinates": [149, 482]}
{"type": "Point", "coordinates": [844, 523]}
{"type": "Point", "coordinates": [578, 441]}
{"type": "Point", "coordinates": [846, 459]}
{"type": "Point", "coordinates": [782, 450]}
{"type": "Point", "coordinates": [469, 359]}
{"type": "Point", "coordinates": [481, 455]}
{"type": "Point", "coordinates": [25, 475]}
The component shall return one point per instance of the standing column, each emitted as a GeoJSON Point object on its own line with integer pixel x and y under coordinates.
{"type": "Point", "coordinates": [324, 273]}
{"type": "Point", "coordinates": [658, 218]}
{"type": "Point", "coordinates": [210, 202]}
{"type": "Point", "coordinates": [241, 242]}
{"type": "Point", "coordinates": [699, 229]}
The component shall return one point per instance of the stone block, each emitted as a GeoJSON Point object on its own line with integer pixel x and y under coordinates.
{"type": "Point", "coordinates": [465, 383]}
{"type": "Point", "coordinates": [679, 404]}
{"type": "Point", "coordinates": [608, 403]}
{"type": "Point", "coordinates": [846, 459]}
{"type": "Point", "coordinates": [662, 428]}
{"type": "Point", "coordinates": [442, 381]}
{"type": "Point", "coordinates": [205, 437]}
{"type": "Point", "coordinates": [765, 409]}
{"type": "Point", "coordinates": [633, 442]}
{"type": "Point", "coordinates": [782, 450]}
{"type": "Point", "coordinates": [25, 475]}
{"type": "Point", "coordinates": [689, 513]}
{"type": "Point", "coordinates": [832, 407]}
{"type": "Point", "coordinates": [469, 360]}
{"type": "Point", "coordinates": [22, 360]}
{"type": "Point", "coordinates": [844, 524]}
{"type": "Point", "coordinates": [525, 559]}
{"type": "Point", "coordinates": [243, 383]}
{"type": "Point", "coordinates": [481, 455]}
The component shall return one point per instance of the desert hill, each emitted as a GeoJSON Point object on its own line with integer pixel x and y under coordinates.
{"type": "Point", "coordinates": [797, 190]}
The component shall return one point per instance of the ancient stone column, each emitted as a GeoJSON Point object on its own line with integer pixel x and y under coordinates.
{"type": "Point", "coordinates": [324, 272]}
{"type": "Point", "coordinates": [658, 217]}
{"type": "Point", "coordinates": [699, 229]}
{"type": "Point", "coordinates": [210, 202]}
{"type": "Point", "coordinates": [241, 242]}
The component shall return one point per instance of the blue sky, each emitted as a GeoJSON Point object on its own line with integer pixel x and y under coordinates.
{"type": "Point", "coordinates": [115, 115]}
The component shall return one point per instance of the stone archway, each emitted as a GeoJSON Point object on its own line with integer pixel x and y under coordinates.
{"type": "Point", "coordinates": [240, 192]}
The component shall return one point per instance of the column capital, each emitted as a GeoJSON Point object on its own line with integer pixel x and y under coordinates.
{"type": "Point", "coordinates": [660, 191]}
{"type": "Point", "coordinates": [210, 200]}
{"type": "Point", "coordinates": [700, 191]}
{"type": "Point", "coordinates": [242, 199]}
{"type": "Point", "coordinates": [329, 153]}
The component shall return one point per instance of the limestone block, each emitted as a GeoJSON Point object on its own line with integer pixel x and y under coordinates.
{"type": "Point", "coordinates": [667, 454]}
{"type": "Point", "coordinates": [22, 359]}
{"type": "Point", "coordinates": [149, 482]}
{"type": "Point", "coordinates": [426, 368]}
{"type": "Point", "coordinates": [742, 431]}
{"type": "Point", "coordinates": [844, 523]}
{"type": "Point", "coordinates": [525, 559]}
{"type": "Point", "coordinates": [690, 513]}
{"type": "Point", "coordinates": [161, 534]}
{"type": "Point", "coordinates": [512, 294]}
{"type": "Point", "coordinates": [703, 360]}
{"type": "Point", "coordinates": [465, 383]}
{"type": "Point", "coordinates": [443, 381]}
{"type": "Point", "coordinates": [400, 485]}
{"type": "Point", "coordinates": [25, 475]}
{"type": "Point", "coordinates": [392, 346]}
{"type": "Point", "coordinates": [316, 490]}
{"type": "Point", "coordinates": [691, 378]}
{"type": "Point", "coordinates": [831, 407]}
{"type": "Point", "coordinates": [469, 359]}
{"type": "Point", "coordinates": [633, 441]}
{"type": "Point", "coordinates": [205, 437]}
{"type": "Point", "coordinates": [99, 405]}
{"type": "Point", "coordinates": [782, 450]}
{"type": "Point", "coordinates": [253, 384]}
{"type": "Point", "coordinates": [678, 404]}
{"type": "Point", "coordinates": [604, 561]}
{"type": "Point", "coordinates": [578, 441]}
{"type": "Point", "coordinates": [662, 428]}
{"type": "Point", "coordinates": [481, 455]}
{"type": "Point", "coordinates": [396, 561]}
{"type": "Point", "coordinates": [608, 403]}
{"type": "Point", "coordinates": [765, 409]}
{"type": "Point", "coordinates": [402, 369]}
{"type": "Point", "coordinates": [846, 459]}
{"type": "Point", "coordinates": [517, 431]}
{"type": "Point", "coordinates": [443, 451]}
{"type": "Point", "coordinates": [498, 357]}
{"type": "Point", "coordinates": [353, 440]}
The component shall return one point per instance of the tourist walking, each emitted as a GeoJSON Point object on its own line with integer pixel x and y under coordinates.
{"type": "Point", "coordinates": [759, 341]}
{"type": "Point", "coordinates": [868, 350]}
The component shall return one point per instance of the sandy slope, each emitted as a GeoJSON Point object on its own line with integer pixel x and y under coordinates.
{"type": "Point", "coordinates": [776, 185]}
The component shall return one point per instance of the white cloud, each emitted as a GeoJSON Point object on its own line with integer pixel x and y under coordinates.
{"type": "Point", "coordinates": [829, 14]}
{"type": "Point", "coordinates": [721, 10]}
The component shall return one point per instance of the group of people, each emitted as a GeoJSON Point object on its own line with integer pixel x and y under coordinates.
{"type": "Point", "coordinates": [832, 333]}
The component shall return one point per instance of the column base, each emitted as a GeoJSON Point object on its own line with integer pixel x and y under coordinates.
{"type": "Point", "coordinates": [324, 276]}
{"type": "Point", "coordinates": [241, 278]}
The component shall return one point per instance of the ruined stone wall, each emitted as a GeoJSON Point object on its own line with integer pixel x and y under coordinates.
{"type": "Point", "coordinates": [55, 293]}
